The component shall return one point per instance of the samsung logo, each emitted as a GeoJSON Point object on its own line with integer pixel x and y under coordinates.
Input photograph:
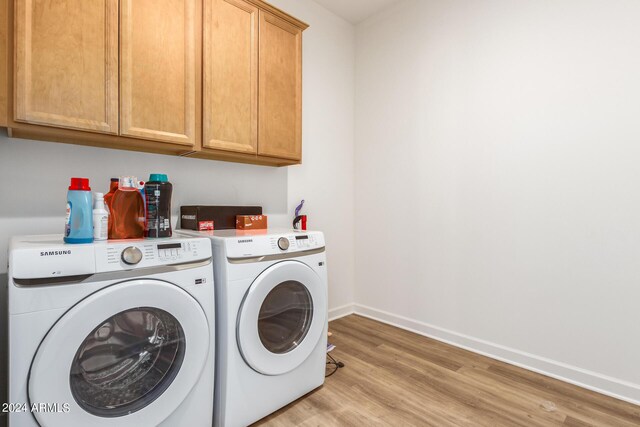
{"type": "Point", "coordinates": [245, 240]}
{"type": "Point", "coordinates": [192, 217]}
{"type": "Point", "coordinates": [50, 253]}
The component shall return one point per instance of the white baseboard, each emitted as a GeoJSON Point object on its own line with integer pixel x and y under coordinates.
{"type": "Point", "coordinates": [613, 387]}
{"type": "Point", "coordinates": [343, 310]}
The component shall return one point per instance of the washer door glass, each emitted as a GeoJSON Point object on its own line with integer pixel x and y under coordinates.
{"type": "Point", "coordinates": [285, 317]}
{"type": "Point", "coordinates": [127, 361]}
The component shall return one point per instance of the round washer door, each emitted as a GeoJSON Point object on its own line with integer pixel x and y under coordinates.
{"type": "Point", "coordinates": [127, 355]}
{"type": "Point", "coordinates": [282, 318]}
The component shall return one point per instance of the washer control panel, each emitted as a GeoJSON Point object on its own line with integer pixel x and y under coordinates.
{"type": "Point", "coordinates": [125, 255]}
{"type": "Point", "coordinates": [45, 256]}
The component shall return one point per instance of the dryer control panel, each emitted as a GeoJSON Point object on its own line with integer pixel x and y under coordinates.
{"type": "Point", "coordinates": [273, 244]}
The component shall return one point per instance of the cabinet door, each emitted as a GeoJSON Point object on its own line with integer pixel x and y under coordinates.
{"type": "Point", "coordinates": [66, 69]}
{"type": "Point", "coordinates": [280, 88]}
{"type": "Point", "coordinates": [4, 61]}
{"type": "Point", "coordinates": [230, 106]}
{"type": "Point", "coordinates": [158, 72]}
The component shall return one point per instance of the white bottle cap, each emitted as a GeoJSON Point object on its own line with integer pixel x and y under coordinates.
{"type": "Point", "coordinates": [98, 201]}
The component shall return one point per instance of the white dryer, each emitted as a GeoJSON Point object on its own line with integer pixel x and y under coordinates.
{"type": "Point", "coordinates": [113, 334]}
{"type": "Point", "coordinates": [271, 302]}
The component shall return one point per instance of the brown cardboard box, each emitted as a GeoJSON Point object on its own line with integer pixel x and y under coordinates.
{"type": "Point", "coordinates": [251, 222]}
{"type": "Point", "coordinates": [197, 217]}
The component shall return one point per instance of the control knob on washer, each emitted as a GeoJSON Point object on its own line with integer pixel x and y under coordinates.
{"type": "Point", "coordinates": [283, 243]}
{"type": "Point", "coordinates": [131, 255]}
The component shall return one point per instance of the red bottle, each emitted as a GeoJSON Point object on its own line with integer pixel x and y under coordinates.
{"type": "Point", "coordinates": [127, 211]}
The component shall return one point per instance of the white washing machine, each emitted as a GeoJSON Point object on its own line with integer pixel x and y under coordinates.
{"type": "Point", "coordinates": [271, 302]}
{"type": "Point", "coordinates": [111, 334]}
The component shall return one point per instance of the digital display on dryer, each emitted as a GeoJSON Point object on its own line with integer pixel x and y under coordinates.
{"type": "Point", "coordinates": [302, 237]}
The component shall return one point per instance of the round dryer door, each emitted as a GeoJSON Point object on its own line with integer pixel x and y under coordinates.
{"type": "Point", "coordinates": [282, 317]}
{"type": "Point", "coordinates": [127, 355]}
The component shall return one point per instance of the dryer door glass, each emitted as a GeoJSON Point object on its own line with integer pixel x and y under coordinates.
{"type": "Point", "coordinates": [127, 362]}
{"type": "Point", "coordinates": [285, 317]}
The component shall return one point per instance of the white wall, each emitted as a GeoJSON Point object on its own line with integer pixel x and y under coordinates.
{"type": "Point", "coordinates": [326, 178]}
{"type": "Point", "coordinates": [497, 180]}
{"type": "Point", "coordinates": [34, 175]}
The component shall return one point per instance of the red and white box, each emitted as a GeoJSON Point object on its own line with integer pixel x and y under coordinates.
{"type": "Point", "coordinates": [205, 226]}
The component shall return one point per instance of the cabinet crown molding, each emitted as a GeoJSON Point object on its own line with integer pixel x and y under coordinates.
{"type": "Point", "coordinates": [279, 13]}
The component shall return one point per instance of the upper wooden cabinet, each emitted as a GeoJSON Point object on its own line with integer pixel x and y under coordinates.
{"type": "Point", "coordinates": [252, 80]}
{"type": "Point", "coordinates": [280, 88]}
{"type": "Point", "coordinates": [159, 71]}
{"type": "Point", "coordinates": [4, 33]}
{"type": "Point", "coordinates": [219, 79]}
{"type": "Point", "coordinates": [66, 63]}
{"type": "Point", "coordinates": [230, 107]}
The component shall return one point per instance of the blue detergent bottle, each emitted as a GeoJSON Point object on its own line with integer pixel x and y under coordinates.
{"type": "Point", "coordinates": [79, 223]}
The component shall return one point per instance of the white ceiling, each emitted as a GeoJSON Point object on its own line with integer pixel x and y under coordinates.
{"type": "Point", "coordinates": [355, 11]}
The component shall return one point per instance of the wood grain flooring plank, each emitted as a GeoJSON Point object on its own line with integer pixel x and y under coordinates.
{"type": "Point", "coordinates": [573, 422]}
{"type": "Point", "coordinates": [463, 357]}
{"type": "Point", "coordinates": [394, 377]}
{"type": "Point", "coordinates": [577, 398]}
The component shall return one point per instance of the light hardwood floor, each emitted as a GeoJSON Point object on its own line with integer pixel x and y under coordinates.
{"type": "Point", "coordinates": [396, 378]}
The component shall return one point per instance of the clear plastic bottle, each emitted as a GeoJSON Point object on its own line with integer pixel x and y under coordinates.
{"type": "Point", "coordinates": [127, 211]}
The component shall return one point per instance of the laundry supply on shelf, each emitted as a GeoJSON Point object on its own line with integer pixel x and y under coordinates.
{"type": "Point", "coordinates": [100, 218]}
{"type": "Point", "coordinates": [79, 222]}
{"type": "Point", "coordinates": [158, 192]}
{"type": "Point", "coordinates": [127, 211]}
{"type": "Point", "coordinates": [251, 222]}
